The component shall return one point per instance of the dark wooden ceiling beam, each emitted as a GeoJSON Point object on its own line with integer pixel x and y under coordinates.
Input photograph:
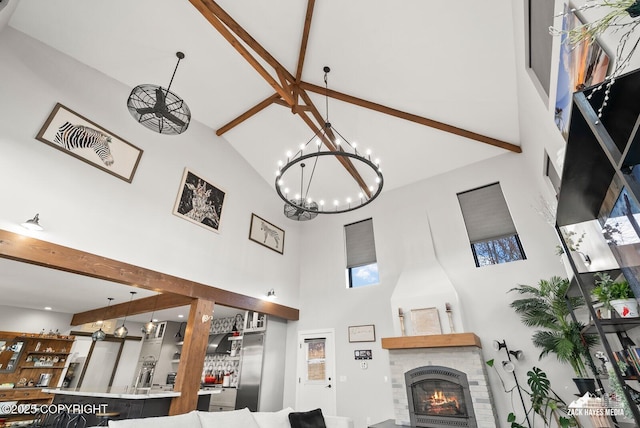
{"type": "Point", "coordinates": [31, 250]}
{"type": "Point", "coordinates": [305, 39]}
{"type": "Point", "coordinates": [138, 306]}
{"type": "Point", "coordinates": [205, 7]}
{"type": "Point", "coordinates": [275, 98]}
{"type": "Point", "coordinates": [410, 117]}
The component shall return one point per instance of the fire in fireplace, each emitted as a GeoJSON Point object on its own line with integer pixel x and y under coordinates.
{"type": "Point", "coordinates": [439, 397]}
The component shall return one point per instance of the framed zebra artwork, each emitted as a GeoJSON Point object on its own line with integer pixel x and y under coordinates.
{"type": "Point", "coordinates": [266, 234]}
{"type": "Point", "coordinates": [199, 201]}
{"type": "Point", "coordinates": [83, 139]}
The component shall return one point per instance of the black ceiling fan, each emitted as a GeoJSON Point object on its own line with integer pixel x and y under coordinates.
{"type": "Point", "coordinates": [158, 108]}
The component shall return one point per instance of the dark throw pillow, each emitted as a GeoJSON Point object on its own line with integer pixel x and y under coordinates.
{"type": "Point", "coordinates": [310, 419]}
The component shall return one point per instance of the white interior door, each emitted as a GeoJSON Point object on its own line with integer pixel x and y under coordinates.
{"type": "Point", "coordinates": [316, 386]}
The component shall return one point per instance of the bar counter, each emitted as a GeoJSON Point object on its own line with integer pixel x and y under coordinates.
{"type": "Point", "coordinates": [115, 392]}
{"type": "Point", "coordinates": [128, 402]}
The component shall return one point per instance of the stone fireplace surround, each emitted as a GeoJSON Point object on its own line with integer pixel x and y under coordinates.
{"type": "Point", "coordinates": [460, 351]}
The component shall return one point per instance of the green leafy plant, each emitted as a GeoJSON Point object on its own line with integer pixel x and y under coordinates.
{"type": "Point", "coordinates": [607, 289]}
{"type": "Point", "coordinates": [545, 307]}
{"type": "Point", "coordinates": [544, 401]}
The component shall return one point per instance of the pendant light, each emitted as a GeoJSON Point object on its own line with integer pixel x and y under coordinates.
{"type": "Point", "coordinates": [150, 326]}
{"type": "Point", "coordinates": [100, 334]}
{"type": "Point", "coordinates": [122, 331]}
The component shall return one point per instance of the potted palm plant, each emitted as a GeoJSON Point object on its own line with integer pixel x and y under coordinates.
{"type": "Point", "coordinates": [544, 306]}
{"type": "Point", "coordinates": [615, 295]}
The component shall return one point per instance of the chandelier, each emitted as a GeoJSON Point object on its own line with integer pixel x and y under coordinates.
{"type": "Point", "coordinates": [311, 182]}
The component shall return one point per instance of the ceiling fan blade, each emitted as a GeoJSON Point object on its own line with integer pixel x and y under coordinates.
{"type": "Point", "coordinates": [146, 110]}
{"type": "Point", "coordinates": [173, 119]}
{"type": "Point", "coordinates": [159, 96]}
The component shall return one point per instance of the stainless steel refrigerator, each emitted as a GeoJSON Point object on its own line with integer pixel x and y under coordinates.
{"type": "Point", "coordinates": [251, 371]}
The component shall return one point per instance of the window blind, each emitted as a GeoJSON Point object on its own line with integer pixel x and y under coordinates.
{"type": "Point", "coordinates": [486, 214]}
{"type": "Point", "coordinates": [361, 248]}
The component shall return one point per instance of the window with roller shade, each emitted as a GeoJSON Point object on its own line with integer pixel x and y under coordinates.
{"type": "Point", "coordinates": [491, 231]}
{"type": "Point", "coordinates": [362, 266]}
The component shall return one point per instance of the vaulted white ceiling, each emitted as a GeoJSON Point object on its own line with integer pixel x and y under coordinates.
{"type": "Point", "coordinates": [453, 62]}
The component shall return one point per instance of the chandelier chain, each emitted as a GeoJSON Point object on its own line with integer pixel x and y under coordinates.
{"type": "Point", "coordinates": [326, 94]}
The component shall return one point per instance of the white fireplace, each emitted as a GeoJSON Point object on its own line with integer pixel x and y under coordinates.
{"type": "Point", "coordinates": [460, 352]}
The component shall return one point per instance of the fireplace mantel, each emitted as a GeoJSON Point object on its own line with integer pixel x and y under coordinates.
{"type": "Point", "coordinates": [432, 341]}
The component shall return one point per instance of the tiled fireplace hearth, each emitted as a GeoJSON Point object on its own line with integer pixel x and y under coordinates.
{"type": "Point", "coordinates": [440, 381]}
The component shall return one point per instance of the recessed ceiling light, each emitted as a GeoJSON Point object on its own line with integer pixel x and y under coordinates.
{"type": "Point", "coordinates": [47, 308]}
{"type": "Point", "coordinates": [180, 316]}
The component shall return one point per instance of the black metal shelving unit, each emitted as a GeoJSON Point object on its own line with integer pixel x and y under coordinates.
{"type": "Point", "coordinates": [601, 155]}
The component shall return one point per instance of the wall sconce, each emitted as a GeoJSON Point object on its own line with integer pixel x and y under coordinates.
{"type": "Point", "coordinates": [271, 294]}
{"type": "Point", "coordinates": [518, 355]}
{"type": "Point", "coordinates": [508, 366]}
{"type": "Point", "coordinates": [33, 223]}
{"type": "Point", "coordinates": [499, 345]}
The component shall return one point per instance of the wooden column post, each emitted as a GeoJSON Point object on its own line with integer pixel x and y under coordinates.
{"type": "Point", "coordinates": [196, 339]}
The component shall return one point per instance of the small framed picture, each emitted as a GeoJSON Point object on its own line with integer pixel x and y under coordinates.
{"type": "Point", "coordinates": [83, 139]}
{"type": "Point", "coordinates": [266, 234]}
{"type": "Point", "coordinates": [362, 333]}
{"type": "Point", "coordinates": [425, 321]}
{"type": "Point", "coordinates": [199, 201]}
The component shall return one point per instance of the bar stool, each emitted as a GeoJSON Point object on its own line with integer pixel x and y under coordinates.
{"type": "Point", "coordinates": [76, 420]}
{"type": "Point", "coordinates": [105, 417]}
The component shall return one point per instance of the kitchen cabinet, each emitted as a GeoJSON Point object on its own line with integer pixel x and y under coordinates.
{"type": "Point", "coordinates": [601, 185]}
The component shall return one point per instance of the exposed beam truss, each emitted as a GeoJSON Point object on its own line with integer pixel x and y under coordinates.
{"type": "Point", "coordinates": [290, 90]}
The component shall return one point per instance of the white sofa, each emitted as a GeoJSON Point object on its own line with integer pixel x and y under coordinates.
{"type": "Point", "coordinates": [233, 419]}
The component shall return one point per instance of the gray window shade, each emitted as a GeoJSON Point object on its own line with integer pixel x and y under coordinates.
{"type": "Point", "coordinates": [361, 247]}
{"type": "Point", "coordinates": [486, 214]}
{"type": "Point", "coordinates": [540, 42]}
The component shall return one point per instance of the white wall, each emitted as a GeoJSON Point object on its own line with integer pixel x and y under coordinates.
{"type": "Point", "coordinates": [33, 321]}
{"type": "Point", "coordinates": [399, 218]}
{"type": "Point", "coordinates": [85, 208]}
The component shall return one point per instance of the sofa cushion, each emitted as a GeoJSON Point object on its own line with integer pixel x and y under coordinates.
{"type": "Point", "coordinates": [279, 419]}
{"type": "Point", "coordinates": [185, 420]}
{"type": "Point", "coordinates": [310, 419]}
{"type": "Point", "coordinates": [234, 418]}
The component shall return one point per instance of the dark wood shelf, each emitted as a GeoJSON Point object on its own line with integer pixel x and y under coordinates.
{"type": "Point", "coordinates": [613, 325]}
{"type": "Point", "coordinates": [40, 367]}
{"type": "Point", "coordinates": [45, 338]}
{"type": "Point", "coordinates": [46, 353]}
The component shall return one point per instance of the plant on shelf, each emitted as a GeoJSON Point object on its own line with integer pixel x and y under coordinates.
{"type": "Point", "coordinates": [545, 307]}
{"type": "Point", "coordinates": [615, 294]}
